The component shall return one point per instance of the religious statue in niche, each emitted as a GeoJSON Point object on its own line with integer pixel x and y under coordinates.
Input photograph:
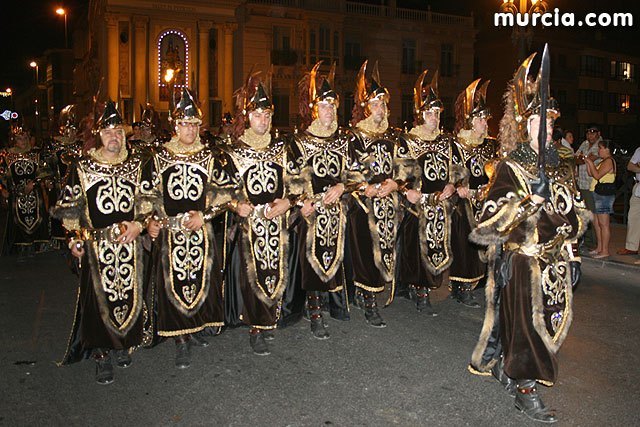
{"type": "Point", "coordinates": [173, 53]}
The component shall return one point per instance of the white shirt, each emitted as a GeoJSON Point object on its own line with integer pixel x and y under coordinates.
{"type": "Point", "coordinates": [584, 180]}
{"type": "Point", "coordinates": [635, 159]}
{"type": "Point", "coordinates": [566, 144]}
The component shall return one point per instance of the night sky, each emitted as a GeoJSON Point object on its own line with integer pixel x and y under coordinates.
{"type": "Point", "coordinates": [31, 26]}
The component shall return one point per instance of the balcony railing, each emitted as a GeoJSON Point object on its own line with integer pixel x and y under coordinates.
{"type": "Point", "coordinates": [355, 8]}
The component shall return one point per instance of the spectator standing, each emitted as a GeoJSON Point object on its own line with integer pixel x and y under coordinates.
{"type": "Point", "coordinates": [632, 243]}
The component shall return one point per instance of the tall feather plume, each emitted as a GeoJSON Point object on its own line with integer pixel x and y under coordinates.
{"type": "Point", "coordinates": [241, 95]}
{"type": "Point", "coordinates": [459, 110]}
{"type": "Point", "coordinates": [508, 131]}
{"type": "Point", "coordinates": [360, 95]}
{"type": "Point", "coordinates": [304, 111]}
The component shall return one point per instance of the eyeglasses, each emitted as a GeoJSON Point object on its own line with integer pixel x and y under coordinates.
{"type": "Point", "coordinates": [188, 124]}
{"type": "Point", "coordinates": [592, 131]}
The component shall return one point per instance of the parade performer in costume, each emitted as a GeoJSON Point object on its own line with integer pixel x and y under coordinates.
{"type": "Point", "coordinates": [529, 220]}
{"type": "Point", "coordinates": [475, 150]}
{"type": "Point", "coordinates": [425, 250]}
{"type": "Point", "coordinates": [258, 163]}
{"type": "Point", "coordinates": [63, 149]}
{"type": "Point", "coordinates": [181, 183]}
{"type": "Point", "coordinates": [375, 216]}
{"type": "Point", "coordinates": [23, 180]}
{"type": "Point", "coordinates": [323, 159]}
{"type": "Point", "coordinates": [102, 208]}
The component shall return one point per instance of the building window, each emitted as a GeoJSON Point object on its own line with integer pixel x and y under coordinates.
{"type": "Point", "coordinates": [620, 103]}
{"type": "Point", "coordinates": [590, 100]}
{"type": "Point", "coordinates": [173, 61]}
{"type": "Point", "coordinates": [407, 111]}
{"type": "Point", "coordinates": [281, 113]}
{"type": "Point", "coordinates": [446, 60]}
{"type": "Point", "coordinates": [592, 66]}
{"type": "Point", "coordinates": [324, 44]}
{"type": "Point", "coordinates": [622, 71]}
{"type": "Point", "coordinates": [282, 54]}
{"type": "Point", "coordinates": [313, 46]}
{"type": "Point", "coordinates": [352, 57]}
{"type": "Point", "coordinates": [409, 57]}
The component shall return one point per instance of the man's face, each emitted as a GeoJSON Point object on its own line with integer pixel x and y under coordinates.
{"type": "Point", "coordinates": [144, 132]}
{"type": "Point", "coordinates": [187, 132]}
{"type": "Point", "coordinates": [22, 140]}
{"type": "Point", "coordinates": [479, 125]}
{"type": "Point", "coordinates": [326, 113]}
{"type": "Point", "coordinates": [378, 110]}
{"type": "Point", "coordinates": [534, 128]}
{"type": "Point", "coordinates": [260, 121]}
{"type": "Point", "coordinates": [593, 135]}
{"type": "Point", "coordinates": [112, 139]}
{"type": "Point", "coordinates": [431, 120]}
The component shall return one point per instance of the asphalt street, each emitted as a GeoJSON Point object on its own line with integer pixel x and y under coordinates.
{"type": "Point", "coordinates": [411, 373]}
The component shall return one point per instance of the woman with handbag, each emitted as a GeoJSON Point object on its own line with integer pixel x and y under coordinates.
{"type": "Point", "coordinates": [604, 194]}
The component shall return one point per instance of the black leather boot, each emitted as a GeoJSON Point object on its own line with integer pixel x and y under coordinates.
{"type": "Point", "coordinates": [371, 312]}
{"type": "Point", "coordinates": [123, 358]}
{"type": "Point", "coordinates": [183, 353]}
{"type": "Point", "coordinates": [257, 342]}
{"type": "Point", "coordinates": [318, 327]}
{"type": "Point", "coordinates": [104, 367]}
{"type": "Point", "coordinates": [358, 300]}
{"type": "Point", "coordinates": [507, 382]}
{"type": "Point", "coordinates": [528, 401]}
{"type": "Point", "coordinates": [462, 293]}
{"type": "Point", "coordinates": [423, 302]}
{"type": "Point", "coordinates": [199, 339]}
{"type": "Point", "coordinates": [269, 334]}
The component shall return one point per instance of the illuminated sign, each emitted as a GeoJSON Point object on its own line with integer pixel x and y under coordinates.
{"type": "Point", "coordinates": [9, 115]}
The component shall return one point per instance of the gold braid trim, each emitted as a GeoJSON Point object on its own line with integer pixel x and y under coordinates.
{"type": "Point", "coordinates": [176, 147]}
{"type": "Point", "coordinates": [255, 141]}
{"type": "Point", "coordinates": [368, 125]}
{"type": "Point", "coordinates": [318, 129]}
{"type": "Point", "coordinates": [98, 155]}
{"type": "Point", "coordinates": [422, 133]}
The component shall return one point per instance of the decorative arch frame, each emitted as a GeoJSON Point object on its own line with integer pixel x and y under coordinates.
{"type": "Point", "coordinates": [177, 58]}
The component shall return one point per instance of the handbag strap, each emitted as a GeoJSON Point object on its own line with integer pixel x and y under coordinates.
{"type": "Point", "coordinates": [614, 169]}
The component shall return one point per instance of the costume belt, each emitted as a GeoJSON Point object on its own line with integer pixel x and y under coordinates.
{"type": "Point", "coordinates": [175, 223]}
{"type": "Point", "coordinates": [548, 252]}
{"type": "Point", "coordinates": [111, 233]}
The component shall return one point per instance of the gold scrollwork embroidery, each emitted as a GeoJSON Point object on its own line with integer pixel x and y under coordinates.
{"type": "Point", "coordinates": [185, 183]}
{"type": "Point", "coordinates": [266, 243]}
{"type": "Point", "coordinates": [383, 160]}
{"type": "Point", "coordinates": [327, 163]}
{"type": "Point", "coordinates": [435, 166]}
{"type": "Point", "coordinates": [262, 178]}
{"type": "Point", "coordinates": [115, 194]}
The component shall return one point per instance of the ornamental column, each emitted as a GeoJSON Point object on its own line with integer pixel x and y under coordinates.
{"type": "Point", "coordinates": [227, 89]}
{"type": "Point", "coordinates": [113, 79]}
{"type": "Point", "coordinates": [141, 64]}
{"type": "Point", "coordinates": [203, 68]}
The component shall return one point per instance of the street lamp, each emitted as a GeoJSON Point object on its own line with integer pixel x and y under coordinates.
{"type": "Point", "coordinates": [34, 65]}
{"type": "Point", "coordinates": [62, 12]}
{"type": "Point", "coordinates": [522, 36]}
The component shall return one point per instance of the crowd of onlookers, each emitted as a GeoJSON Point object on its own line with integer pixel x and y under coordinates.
{"type": "Point", "coordinates": [596, 181]}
